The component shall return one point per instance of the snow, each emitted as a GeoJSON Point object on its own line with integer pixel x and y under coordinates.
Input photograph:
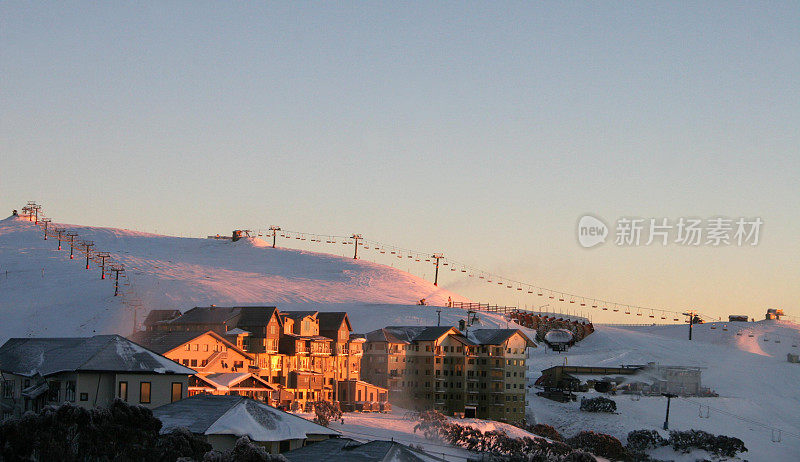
{"type": "Point", "coordinates": [264, 423]}
{"type": "Point", "coordinates": [398, 426]}
{"type": "Point", "coordinates": [757, 386]}
{"type": "Point", "coordinates": [44, 293]}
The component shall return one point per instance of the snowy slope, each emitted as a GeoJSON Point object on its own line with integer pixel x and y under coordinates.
{"type": "Point", "coordinates": [42, 292]}
{"type": "Point", "coordinates": [755, 382]}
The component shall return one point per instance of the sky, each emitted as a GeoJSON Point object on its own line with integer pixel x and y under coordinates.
{"type": "Point", "coordinates": [479, 129]}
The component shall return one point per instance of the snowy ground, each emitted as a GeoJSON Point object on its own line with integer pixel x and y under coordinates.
{"type": "Point", "coordinates": [398, 426]}
{"type": "Point", "coordinates": [44, 293]}
{"type": "Point", "coordinates": [758, 388]}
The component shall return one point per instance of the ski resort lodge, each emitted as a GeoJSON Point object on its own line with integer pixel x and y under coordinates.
{"type": "Point", "coordinates": [285, 358]}
{"type": "Point", "coordinates": [480, 374]}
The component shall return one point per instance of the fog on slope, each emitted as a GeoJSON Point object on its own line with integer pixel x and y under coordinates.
{"type": "Point", "coordinates": [44, 293]}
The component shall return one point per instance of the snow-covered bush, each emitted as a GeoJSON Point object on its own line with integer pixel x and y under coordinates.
{"type": "Point", "coordinates": [546, 431]}
{"type": "Point", "coordinates": [642, 440]}
{"type": "Point", "coordinates": [598, 443]}
{"type": "Point", "coordinates": [599, 404]}
{"type": "Point", "coordinates": [719, 445]}
{"type": "Point", "coordinates": [69, 432]}
{"type": "Point", "coordinates": [325, 412]}
{"type": "Point", "coordinates": [578, 456]}
{"type": "Point", "coordinates": [432, 424]}
{"type": "Point", "coordinates": [180, 443]}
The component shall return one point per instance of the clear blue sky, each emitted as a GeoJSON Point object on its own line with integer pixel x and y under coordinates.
{"type": "Point", "coordinates": [484, 130]}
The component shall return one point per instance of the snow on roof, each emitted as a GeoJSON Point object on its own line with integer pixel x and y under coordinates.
{"type": "Point", "coordinates": [349, 450]}
{"type": "Point", "coordinates": [494, 336]}
{"type": "Point", "coordinates": [155, 316]}
{"type": "Point", "coordinates": [206, 315]}
{"type": "Point", "coordinates": [236, 331]}
{"type": "Point", "coordinates": [407, 334]}
{"type": "Point", "coordinates": [230, 379]}
{"type": "Point", "coordinates": [558, 336]}
{"type": "Point", "coordinates": [47, 356]}
{"type": "Point", "coordinates": [236, 415]}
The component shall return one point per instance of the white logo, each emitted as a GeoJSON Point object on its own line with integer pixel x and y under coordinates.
{"type": "Point", "coordinates": [591, 231]}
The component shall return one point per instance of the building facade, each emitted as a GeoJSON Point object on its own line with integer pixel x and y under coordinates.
{"type": "Point", "coordinates": [303, 354]}
{"type": "Point", "coordinates": [481, 374]}
{"type": "Point", "coordinates": [87, 372]}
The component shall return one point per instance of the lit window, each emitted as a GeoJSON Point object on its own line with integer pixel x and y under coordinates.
{"type": "Point", "coordinates": [144, 392]}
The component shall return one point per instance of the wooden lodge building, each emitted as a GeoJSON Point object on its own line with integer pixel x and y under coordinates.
{"type": "Point", "coordinates": [287, 358]}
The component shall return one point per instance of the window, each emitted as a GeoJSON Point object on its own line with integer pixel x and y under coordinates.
{"type": "Point", "coordinates": [54, 390]}
{"type": "Point", "coordinates": [8, 388]}
{"type": "Point", "coordinates": [122, 393]}
{"type": "Point", "coordinates": [177, 391]}
{"type": "Point", "coordinates": [144, 392]}
{"type": "Point", "coordinates": [187, 347]}
{"type": "Point", "coordinates": [84, 396]}
{"type": "Point", "coordinates": [69, 391]}
{"type": "Point", "coordinates": [194, 363]}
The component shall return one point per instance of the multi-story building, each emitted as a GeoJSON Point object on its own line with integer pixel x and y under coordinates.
{"type": "Point", "coordinates": [222, 367]}
{"type": "Point", "coordinates": [481, 374]}
{"type": "Point", "coordinates": [307, 355]}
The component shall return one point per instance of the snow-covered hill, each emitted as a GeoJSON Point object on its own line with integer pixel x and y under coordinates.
{"type": "Point", "coordinates": [758, 388]}
{"type": "Point", "coordinates": [43, 292]}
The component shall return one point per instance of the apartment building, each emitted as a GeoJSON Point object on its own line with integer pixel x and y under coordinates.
{"type": "Point", "coordinates": [304, 354]}
{"type": "Point", "coordinates": [480, 374]}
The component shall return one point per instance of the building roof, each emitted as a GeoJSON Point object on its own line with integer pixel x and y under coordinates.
{"type": "Point", "coordinates": [238, 416]}
{"type": "Point", "coordinates": [163, 342]}
{"type": "Point", "coordinates": [207, 315]}
{"type": "Point", "coordinates": [232, 316]}
{"type": "Point", "coordinates": [47, 356]}
{"type": "Point", "coordinates": [155, 316]}
{"type": "Point", "coordinates": [332, 320]}
{"type": "Point", "coordinates": [348, 450]}
{"type": "Point", "coordinates": [256, 315]}
{"type": "Point", "coordinates": [495, 336]}
{"type": "Point", "coordinates": [408, 334]}
{"type": "Point", "coordinates": [231, 379]}
{"type": "Point", "coordinates": [296, 315]}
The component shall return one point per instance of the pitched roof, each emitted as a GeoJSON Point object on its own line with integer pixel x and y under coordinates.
{"type": "Point", "coordinates": [496, 336]}
{"type": "Point", "coordinates": [408, 334]}
{"type": "Point", "coordinates": [155, 316]}
{"type": "Point", "coordinates": [233, 316]}
{"type": "Point", "coordinates": [299, 314]}
{"type": "Point", "coordinates": [348, 450]}
{"type": "Point", "coordinates": [47, 356]}
{"type": "Point", "coordinates": [236, 415]}
{"type": "Point", "coordinates": [332, 320]}
{"type": "Point", "coordinates": [162, 342]}
{"type": "Point", "coordinates": [207, 315]}
{"type": "Point", "coordinates": [231, 379]}
{"type": "Point", "coordinates": [256, 315]}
